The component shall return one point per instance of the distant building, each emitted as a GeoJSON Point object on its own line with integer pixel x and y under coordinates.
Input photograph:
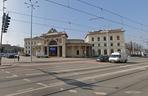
{"type": "Point", "coordinates": [105, 42]}
{"type": "Point", "coordinates": [53, 43]}
{"type": "Point", "coordinates": [57, 44]}
{"type": "Point", "coordinates": [7, 48]}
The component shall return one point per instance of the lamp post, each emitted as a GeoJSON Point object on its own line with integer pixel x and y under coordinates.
{"type": "Point", "coordinates": [32, 6]}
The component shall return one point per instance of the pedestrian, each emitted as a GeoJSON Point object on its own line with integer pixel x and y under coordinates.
{"type": "Point", "coordinates": [18, 58]}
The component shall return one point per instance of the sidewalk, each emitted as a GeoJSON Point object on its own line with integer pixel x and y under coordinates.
{"type": "Point", "coordinates": [25, 61]}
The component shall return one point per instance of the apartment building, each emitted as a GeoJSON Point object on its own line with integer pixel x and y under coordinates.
{"type": "Point", "coordinates": [105, 42]}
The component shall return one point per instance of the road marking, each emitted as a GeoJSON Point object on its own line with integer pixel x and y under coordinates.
{"type": "Point", "coordinates": [28, 80]}
{"type": "Point", "coordinates": [81, 79]}
{"type": "Point", "coordinates": [61, 89]}
{"type": "Point", "coordinates": [126, 66]}
{"type": "Point", "coordinates": [100, 93]}
{"type": "Point", "coordinates": [31, 74]}
{"type": "Point", "coordinates": [111, 73]}
{"type": "Point", "coordinates": [7, 72]}
{"type": "Point", "coordinates": [42, 84]}
{"type": "Point", "coordinates": [13, 76]}
{"type": "Point", "coordinates": [92, 71]}
{"type": "Point", "coordinates": [77, 69]}
{"type": "Point", "coordinates": [23, 90]}
{"type": "Point", "coordinates": [133, 92]}
{"type": "Point", "coordinates": [73, 91]}
{"type": "Point", "coordinates": [2, 69]}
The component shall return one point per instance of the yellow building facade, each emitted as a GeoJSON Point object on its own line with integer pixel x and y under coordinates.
{"type": "Point", "coordinates": [57, 44]}
{"type": "Point", "coordinates": [105, 42]}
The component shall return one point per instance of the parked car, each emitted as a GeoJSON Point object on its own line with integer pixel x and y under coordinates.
{"type": "Point", "coordinates": [118, 57]}
{"type": "Point", "coordinates": [102, 58]}
{"type": "Point", "coordinates": [12, 56]}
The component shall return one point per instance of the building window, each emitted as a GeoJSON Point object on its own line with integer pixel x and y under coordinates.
{"type": "Point", "coordinates": [112, 50]}
{"type": "Point", "coordinates": [77, 52]}
{"type": "Point", "coordinates": [111, 44]}
{"type": "Point", "coordinates": [111, 37]}
{"type": "Point", "coordinates": [93, 52]}
{"type": "Point", "coordinates": [93, 45]}
{"type": "Point", "coordinates": [118, 37]}
{"type": "Point", "coordinates": [99, 51]}
{"type": "Point", "coordinates": [104, 38]}
{"type": "Point", "coordinates": [45, 42]}
{"type": "Point", "coordinates": [119, 50]}
{"type": "Point", "coordinates": [98, 38]}
{"type": "Point", "coordinates": [92, 38]}
{"type": "Point", "coordinates": [105, 44]}
{"type": "Point", "coordinates": [118, 44]}
{"type": "Point", "coordinates": [105, 51]}
{"type": "Point", "coordinates": [98, 45]}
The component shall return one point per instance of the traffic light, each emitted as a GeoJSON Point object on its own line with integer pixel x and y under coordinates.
{"type": "Point", "coordinates": [5, 22]}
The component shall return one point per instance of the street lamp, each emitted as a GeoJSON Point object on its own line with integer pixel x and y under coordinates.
{"type": "Point", "coordinates": [32, 6]}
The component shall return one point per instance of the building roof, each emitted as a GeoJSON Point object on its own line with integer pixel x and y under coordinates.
{"type": "Point", "coordinates": [105, 31]}
{"type": "Point", "coordinates": [51, 33]}
{"type": "Point", "coordinates": [54, 34]}
{"type": "Point", "coordinates": [75, 41]}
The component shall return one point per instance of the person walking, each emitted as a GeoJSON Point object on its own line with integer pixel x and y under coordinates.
{"type": "Point", "coordinates": [18, 58]}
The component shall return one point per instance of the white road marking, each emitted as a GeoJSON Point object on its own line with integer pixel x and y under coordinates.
{"type": "Point", "coordinates": [28, 80]}
{"type": "Point", "coordinates": [100, 93]}
{"type": "Point", "coordinates": [31, 74]}
{"type": "Point", "coordinates": [81, 79]}
{"type": "Point", "coordinates": [7, 72]}
{"type": "Point", "coordinates": [73, 91]}
{"type": "Point", "coordinates": [42, 84]}
{"type": "Point", "coordinates": [13, 76]}
{"type": "Point", "coordinates": [92, 71]}
{"type": "Point", "coordinates": [125, 66]}
{"type": "Point", "coordinates": [61, 89]}
{"type": "Point", "coordinates": [112, 73]}
{"type": "Point", "coordinates": [23, 90]}
{"type": "Point", "coordinates": [133, 92]}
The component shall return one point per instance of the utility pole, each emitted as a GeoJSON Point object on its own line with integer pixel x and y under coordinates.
{"type": "Point", "coordinates": [1, 42]}
{"type": "Point", "coordinates": [32, 5]}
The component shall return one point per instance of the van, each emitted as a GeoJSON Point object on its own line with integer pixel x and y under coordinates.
{"type": "Point", "coordinates": [118, 57]}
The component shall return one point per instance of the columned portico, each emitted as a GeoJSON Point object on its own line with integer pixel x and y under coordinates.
{"type": "Point", "coordinates": [56, 44]}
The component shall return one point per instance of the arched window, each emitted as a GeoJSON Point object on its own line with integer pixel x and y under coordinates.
{"type": "Point", "coordinates": [119, 50]}
{"type": "Point", "coordinates": [92, 38]}
{"type": "Point", "coordinates": [77, 52]}
{"type": "Point", "coordinates": [99, 51]}
{"type": "Point", "coordinates": [105, 51]}
{"type": "Point", "coordinates": [112, 51]}
{"type": "Point", "coordinates": [53, 42]}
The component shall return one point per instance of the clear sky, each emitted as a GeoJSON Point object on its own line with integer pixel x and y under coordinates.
{"type": "Point", "coordinates": [76, 24]}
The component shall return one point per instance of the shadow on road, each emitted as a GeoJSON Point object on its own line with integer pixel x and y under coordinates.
{"type": "Point", "coordinates": [72, 82]}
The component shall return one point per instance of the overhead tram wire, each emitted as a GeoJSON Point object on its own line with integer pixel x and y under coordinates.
{"type": "Point", "coordinates": [113, 13]}
{"type": "Point", "coordinates": [72, 23]}
{"type": "Point", "coordinates": [52, 19]}
{"type": "Point", "coordinates": [47, 25]}
{"type": "Point", "coordinates": [90, 14]}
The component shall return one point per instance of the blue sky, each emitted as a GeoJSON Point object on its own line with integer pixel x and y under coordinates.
{"type": "Point", "coordinates": [76, 24]}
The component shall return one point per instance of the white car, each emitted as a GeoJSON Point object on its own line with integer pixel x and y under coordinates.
{"type": "Point", "coordinates": [118, 57]}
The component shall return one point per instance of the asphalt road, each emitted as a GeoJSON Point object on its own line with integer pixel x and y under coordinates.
{"type": "Point", "coordinates": [76, 78]}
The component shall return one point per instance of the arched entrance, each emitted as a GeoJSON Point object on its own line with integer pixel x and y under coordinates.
{"type": "Point", "coordinates": [52, 48]}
